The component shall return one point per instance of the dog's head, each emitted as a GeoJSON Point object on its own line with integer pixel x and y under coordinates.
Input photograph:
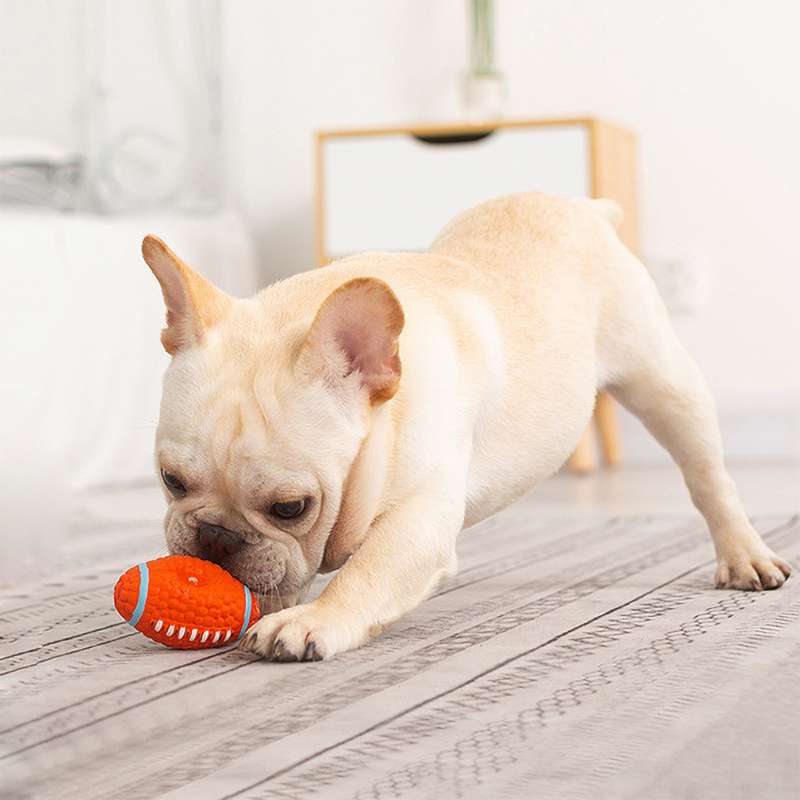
{"type": "Point", "coordinates": [264, 410]}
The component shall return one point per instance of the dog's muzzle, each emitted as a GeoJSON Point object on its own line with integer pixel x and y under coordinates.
{"type": "Point", "coordinates": [261, 565]}
{"type": "Point", "coordinates": [217, 543]}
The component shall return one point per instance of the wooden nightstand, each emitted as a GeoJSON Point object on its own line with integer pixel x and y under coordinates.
{"type": "Point", "coordinates": [436, 171]}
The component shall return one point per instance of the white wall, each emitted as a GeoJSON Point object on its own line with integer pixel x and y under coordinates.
{"type": "Point", "coordinates": [39, 68]}
{"type": "Point", "coordinates": [294, 67]}
{"type": "Point", "coordinates": [710, 86]}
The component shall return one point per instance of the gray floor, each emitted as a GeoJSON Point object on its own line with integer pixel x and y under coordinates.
{"type": "Point", "coordinates": [580, 653]}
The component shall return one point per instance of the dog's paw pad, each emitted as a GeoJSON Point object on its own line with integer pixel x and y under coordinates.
{"type": "Point", "coordinates": [752, 573]}
{"type": "Point", "coordinates": [312, 653]}
{"type": "Point", "coordinates": [302, 639]}
{"type": "Point", "coordinates": [280, 652]}
{"type": "Point", "coordinates": [300, 633]}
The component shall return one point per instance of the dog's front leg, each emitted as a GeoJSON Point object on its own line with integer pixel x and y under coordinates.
{"type": "Point", "coordinates": [406, 553]}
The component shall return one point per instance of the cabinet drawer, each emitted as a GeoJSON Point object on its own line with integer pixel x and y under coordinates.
{"type": "Point", "coordinates": [392, 191]}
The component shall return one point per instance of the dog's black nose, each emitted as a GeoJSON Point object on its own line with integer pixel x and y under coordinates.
{"type": "Point", "coordinates": [217, 542]}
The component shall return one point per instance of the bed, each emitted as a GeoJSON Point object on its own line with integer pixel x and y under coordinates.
{"type": "Point", "coordinates": [81, 361]}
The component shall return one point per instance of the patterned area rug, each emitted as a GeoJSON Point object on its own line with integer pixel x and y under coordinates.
{"type": "Point", "coordinates": [577, 658]}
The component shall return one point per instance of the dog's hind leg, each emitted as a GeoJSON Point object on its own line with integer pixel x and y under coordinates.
{"type": "Point", "coordinates": [653, 376]}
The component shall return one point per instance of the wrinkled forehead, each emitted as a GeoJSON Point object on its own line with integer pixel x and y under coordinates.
{"type": "Point", "coordinates": [244, 428]}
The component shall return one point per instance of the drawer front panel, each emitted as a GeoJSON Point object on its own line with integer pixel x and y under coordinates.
{"type": "Point", "coordinates": [394, 192]}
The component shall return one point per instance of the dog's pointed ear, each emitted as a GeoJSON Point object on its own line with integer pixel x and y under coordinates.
{"type": "Point", "coordinates": [356, 331]}
{"type": "Point", "coordinates": [193, 304]}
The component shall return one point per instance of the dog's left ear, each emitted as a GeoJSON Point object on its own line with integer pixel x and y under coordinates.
{"type": "Point", "coordinates": [357, 330]}
{"type": "Point", "coordinates": [193, 304]}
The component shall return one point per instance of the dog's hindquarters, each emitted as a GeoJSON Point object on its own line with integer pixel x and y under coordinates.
{"type": "Point", "coordinates": [584, 315]}
{"type": "Point", "coordinates": [647, 369]}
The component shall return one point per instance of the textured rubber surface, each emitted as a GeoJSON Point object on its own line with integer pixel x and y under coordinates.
{"type": "Point", "coordinates": [188, 603]}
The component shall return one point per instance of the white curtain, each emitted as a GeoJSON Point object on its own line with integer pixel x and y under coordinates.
{"type": "Point", "coordinates": [152, 104]}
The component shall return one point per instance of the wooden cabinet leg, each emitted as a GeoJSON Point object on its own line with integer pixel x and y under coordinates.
{"type": "Point", "coordinates": [583, 459]}
{"type": "Point", "coordinates": [605, 417]}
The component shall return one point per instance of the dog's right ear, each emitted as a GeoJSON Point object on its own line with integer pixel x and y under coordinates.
{"type": "Point", "coordinates": [193, 304]}
{"type": "Point", "coordinates": [356, 331]}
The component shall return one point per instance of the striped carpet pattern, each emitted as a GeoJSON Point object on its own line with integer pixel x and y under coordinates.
{"type": "Point", "coordinates": [583, 657]}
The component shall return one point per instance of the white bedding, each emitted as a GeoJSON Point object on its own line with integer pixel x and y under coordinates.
{"type": "Point", "coordinates": [81, 359]}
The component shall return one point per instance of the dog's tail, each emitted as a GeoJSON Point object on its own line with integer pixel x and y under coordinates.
{"type": "Point", "coordinates": [608, 209]}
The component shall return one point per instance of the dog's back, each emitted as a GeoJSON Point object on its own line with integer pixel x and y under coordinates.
{"type": "Point", "coordinates": [521, 230]}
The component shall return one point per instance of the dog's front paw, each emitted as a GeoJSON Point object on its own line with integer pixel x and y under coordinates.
{"type": "Point", "coordinates": [751, 571]}
{"type": "Point", "coordinates": [302, 633]}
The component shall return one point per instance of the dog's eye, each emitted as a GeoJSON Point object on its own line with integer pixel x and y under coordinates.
{"type": "Point", "coordinates": [173, 483]}
{"type": "Point", "coordinates": [288, 510]}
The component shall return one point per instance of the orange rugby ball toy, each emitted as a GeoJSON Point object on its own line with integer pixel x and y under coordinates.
{"type": "Point", "coordinates": [185, 602]}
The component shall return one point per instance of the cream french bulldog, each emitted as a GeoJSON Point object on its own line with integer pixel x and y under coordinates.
{"type": "Point", "coordinates": [357, 417]}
